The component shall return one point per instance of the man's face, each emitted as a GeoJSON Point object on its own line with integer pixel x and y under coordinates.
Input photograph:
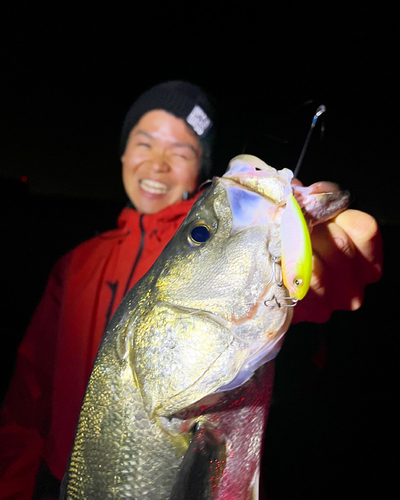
{"type": "Point", "coordinates": [161, 161]}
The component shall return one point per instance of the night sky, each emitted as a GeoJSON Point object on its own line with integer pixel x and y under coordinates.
{"type": "Point", "coordinates": [69, 71]}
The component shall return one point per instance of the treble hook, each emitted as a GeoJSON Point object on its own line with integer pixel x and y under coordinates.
{"type": "Point", "coordinates": [275, 302]}
{"type": "Point", "coordinates": [321, 109]}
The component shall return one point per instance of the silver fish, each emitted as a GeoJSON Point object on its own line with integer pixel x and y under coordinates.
{"type": "Point", "coordinates": [177, 402]}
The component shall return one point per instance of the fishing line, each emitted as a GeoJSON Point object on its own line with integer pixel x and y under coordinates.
{"type": "Point", "coordinates": [320, 110]}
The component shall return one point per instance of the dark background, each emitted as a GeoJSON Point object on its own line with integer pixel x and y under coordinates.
{"type": "Point", "coordinates": [69, 71]}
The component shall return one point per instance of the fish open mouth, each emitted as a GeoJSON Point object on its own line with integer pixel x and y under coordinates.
{"type": "Point", "coordinates": [255, 175]}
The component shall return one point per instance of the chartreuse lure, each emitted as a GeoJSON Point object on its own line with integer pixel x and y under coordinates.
{"type": "Point", "coordinates": [296, 250]}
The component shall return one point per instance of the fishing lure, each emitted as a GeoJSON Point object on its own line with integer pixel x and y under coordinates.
{"type": "Point", "coordinates": [296, 250]}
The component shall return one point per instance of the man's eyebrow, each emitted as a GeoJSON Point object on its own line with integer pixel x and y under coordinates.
{"type": "Point", "coordinates": [174, 144]}
{"type": "Point", "coordinates": [144, 133]}
{"type": "Point", "coordinates": [185, 145]}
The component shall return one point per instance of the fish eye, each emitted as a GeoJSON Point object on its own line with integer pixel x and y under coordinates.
{"type": "Point", "coordinates": [297, 282]}
{"type": "Point", "coordinates": [199, 234]}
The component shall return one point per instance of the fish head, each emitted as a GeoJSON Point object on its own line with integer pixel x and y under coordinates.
{"type": "Point", "coordinates": [202, 309]}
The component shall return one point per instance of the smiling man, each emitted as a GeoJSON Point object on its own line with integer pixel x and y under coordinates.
{"type": "Point", "coordinates": [161, 162]}
{"type": "Point", "coordinates": [166, 145]}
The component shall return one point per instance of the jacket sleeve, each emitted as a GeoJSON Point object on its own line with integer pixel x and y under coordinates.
{"type": "Point", "coordinates": [26, 412]}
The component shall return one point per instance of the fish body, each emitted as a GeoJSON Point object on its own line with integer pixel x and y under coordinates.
{"type": "Point", "coordinates": [177, 401]}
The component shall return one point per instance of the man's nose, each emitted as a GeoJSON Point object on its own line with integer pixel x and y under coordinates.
{"type": "Point", "coordinates": [160, 162]}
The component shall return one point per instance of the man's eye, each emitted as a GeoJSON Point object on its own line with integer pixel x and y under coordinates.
{"type": "Point", "coordinates": [144, 144]}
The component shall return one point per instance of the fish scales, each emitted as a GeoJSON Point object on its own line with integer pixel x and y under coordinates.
{"type": "Point", "coordinates": [178, 398]}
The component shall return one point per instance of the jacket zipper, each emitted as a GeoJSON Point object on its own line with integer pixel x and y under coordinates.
{"type": "Point", "coordinates": [138, 255]}
{"type": "Point", "coordinates": [113, 286]}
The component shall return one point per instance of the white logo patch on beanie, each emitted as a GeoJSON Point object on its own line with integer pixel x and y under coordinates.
{"type": "Point", "coordinates": [198, 120]}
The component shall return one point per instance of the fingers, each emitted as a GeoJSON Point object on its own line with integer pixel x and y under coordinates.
{"type": "Point", "coordinates": [347, 255]}
{"type": "Point", "coordinates": [331, 243]}
{"type": "Point", "coordinates": [315, 306]}
{"type": "Point", "coordinates": [363, 230]}
{"type": "Point", "coordinates": [334, 260]}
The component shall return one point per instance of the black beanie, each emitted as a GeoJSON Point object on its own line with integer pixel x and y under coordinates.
{"type": "Point", "coordinates": [184, 100]}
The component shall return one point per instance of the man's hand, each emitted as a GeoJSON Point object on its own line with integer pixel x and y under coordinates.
{"type": "Point", "coordinates": [347, 256]}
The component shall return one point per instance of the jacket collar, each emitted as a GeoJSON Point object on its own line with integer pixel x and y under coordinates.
{"type": "Point", "coordinates": [129, 217]}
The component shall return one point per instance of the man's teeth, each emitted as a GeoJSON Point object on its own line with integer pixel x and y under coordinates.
{"type": "Point", "coordinates": [153, 186]}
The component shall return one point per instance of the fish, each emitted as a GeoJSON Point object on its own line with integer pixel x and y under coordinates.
{"type": "Point", "coordinates": [177, 402]}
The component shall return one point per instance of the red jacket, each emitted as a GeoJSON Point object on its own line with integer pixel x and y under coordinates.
{"type": "Point", "coordinates": [55, 358]}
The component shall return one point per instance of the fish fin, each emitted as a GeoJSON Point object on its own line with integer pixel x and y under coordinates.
{"type": "Point", "coordinates": [255, 485]}
{"type": "Point", "coordinates": [201, 468]}
{"type": "Point", "coordinates": [321, 201]}
{"type": "Point", "coordinates": [63, 488]}
{"type": "Point", "coordinates": [64, 482]}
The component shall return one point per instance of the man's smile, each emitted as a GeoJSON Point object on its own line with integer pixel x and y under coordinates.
{"type": "Point", "coordinates": [154, 187]}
